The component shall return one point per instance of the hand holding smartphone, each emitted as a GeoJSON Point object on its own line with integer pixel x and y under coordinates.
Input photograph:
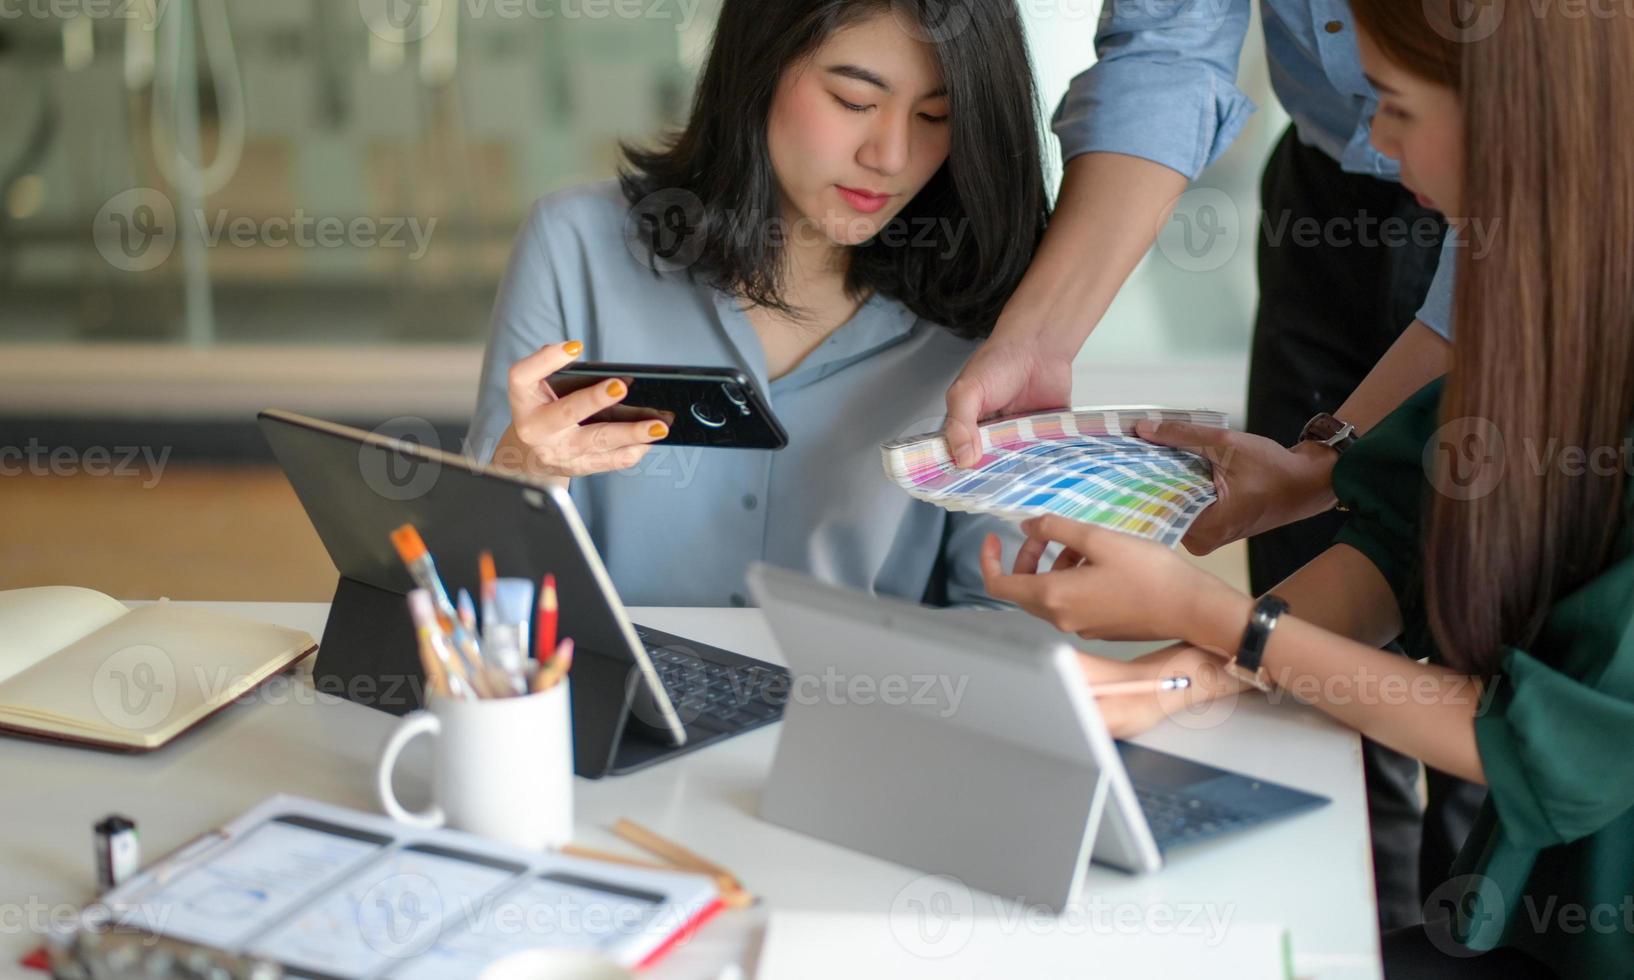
{"type": "Point", "coordinates": [716, 407]}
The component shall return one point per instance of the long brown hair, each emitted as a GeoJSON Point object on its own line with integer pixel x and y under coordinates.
{"type": "Point", "coordinates": [1543, 318]}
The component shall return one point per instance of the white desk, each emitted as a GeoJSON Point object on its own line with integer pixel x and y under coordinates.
{"type": "Point", "coordinates": [1312, 874]}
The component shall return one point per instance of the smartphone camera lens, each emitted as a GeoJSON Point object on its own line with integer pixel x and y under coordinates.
{"type": "Point", "coordinates": [734, 394]}
{"type": "Point", "coordinates": [707, 415]}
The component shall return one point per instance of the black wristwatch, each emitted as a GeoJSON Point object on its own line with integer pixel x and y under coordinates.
{"type": "Point", "coordinates": [1329, 431]}
{"type": "Point", "coordinates": [1246, 666]}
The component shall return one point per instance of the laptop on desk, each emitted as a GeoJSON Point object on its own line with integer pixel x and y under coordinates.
{"type": "Point", "coordinates": [639, 695]}
{"type": "Point", "coordinates": [969, 744]}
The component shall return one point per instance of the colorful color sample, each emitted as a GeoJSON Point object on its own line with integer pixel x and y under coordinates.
{"type": "Point", "coordinates": [1086, 464]}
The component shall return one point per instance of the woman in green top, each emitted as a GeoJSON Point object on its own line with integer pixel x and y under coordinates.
{"type": "Point", "coordinates": [1490, 515]}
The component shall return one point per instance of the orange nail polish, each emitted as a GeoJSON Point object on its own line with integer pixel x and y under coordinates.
{"type": "Point", "coordinates": [573, 348]}
{"type": "Point", "coordinates": [658, 431]}
{"type": "Point", "coordinates": [615, 389]}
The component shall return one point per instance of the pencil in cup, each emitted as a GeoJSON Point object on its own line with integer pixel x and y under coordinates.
{"type": "Point", "coordinates": [553, 671]}
{"type": "Point", "coordinates": [411, 548]}
{"type": "Point", "coordinates": [444, 668]}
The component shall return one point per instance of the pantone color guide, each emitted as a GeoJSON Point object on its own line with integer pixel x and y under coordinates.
{"type": "Point", "coordinates": [1086, 464]}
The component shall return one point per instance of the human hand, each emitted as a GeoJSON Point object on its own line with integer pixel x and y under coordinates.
{"type": "Point", "coordinates": [1260, 483]}
{"type": "Point", "coordinates": [1003, 377]}
{"type": "Point", "coordinates": [546, 438]}
{"type": "Point", "coordinates": [1107, 584]}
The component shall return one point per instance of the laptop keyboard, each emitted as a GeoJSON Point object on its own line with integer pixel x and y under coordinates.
{"type": "Point", "coordinates": [726, 698]}
{"type": "Point", "coordinates": [1176, 818]}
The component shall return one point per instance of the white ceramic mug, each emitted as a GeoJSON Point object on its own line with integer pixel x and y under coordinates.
{"type": "Point", "coordinates": [503, 767]}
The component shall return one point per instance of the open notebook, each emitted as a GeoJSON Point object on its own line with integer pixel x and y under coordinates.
{"type": "Point", "coordinates": [80, 666]}
{"type": "Point", "coordinates": [1082, 463]}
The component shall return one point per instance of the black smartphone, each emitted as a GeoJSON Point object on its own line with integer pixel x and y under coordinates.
{"type": "Point", "coordinates": [703, 406]}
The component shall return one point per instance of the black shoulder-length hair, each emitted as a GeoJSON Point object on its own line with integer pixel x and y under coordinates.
{"type": "Point", "coordinates": [953, 255]}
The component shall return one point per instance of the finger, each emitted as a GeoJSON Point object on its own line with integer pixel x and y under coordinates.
{"type": "Point", "coordinates": [526, 381]}
{"type": "Point", "coordinates": [1028, 557]}
{"type": "Point", "coordinates": [1203, 536]}
{"type": "Point", "coordinates": [570, 410]}
{"type": "Point", "coordinates": [992, 557]}
{"type": "Point", "coordinates": [607, 437]}
{"type": "Point", "coordinates": [1008, 588]}
{"type": "Point", "coordinates": [964, 407]}
{"type": "Point", "coordinates": [1104, 670]}
{"type": "Point", "coordinates": [1065, 560]}
{"type": "Point", "coordinates": [1077, 535]}
{"type": "Point", "coordinates": [1182, 435]}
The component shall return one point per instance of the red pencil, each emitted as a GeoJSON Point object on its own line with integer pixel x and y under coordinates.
{"type": "Point", "coordinates": [544, 638]}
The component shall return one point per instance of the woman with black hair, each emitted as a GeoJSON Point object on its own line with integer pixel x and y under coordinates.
{"type": "Point", "coordinates": [854, 197]}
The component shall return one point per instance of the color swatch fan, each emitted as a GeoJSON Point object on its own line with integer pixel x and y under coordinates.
{"type": "Point", "coordinates": [1086, 464]}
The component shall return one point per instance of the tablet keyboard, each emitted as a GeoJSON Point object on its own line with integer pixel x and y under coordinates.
{"type": "Point", "coordinates": [717, 696]}
{"type": "Point", "coordinates": [1177, 818]}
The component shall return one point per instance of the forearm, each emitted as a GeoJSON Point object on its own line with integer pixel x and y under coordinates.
{"type": "Point", "coordinates": [1108, 214]}
{"type": "Point", "coordinates": [1423, 710]}
{"type": "Point", "coordinates": [1339, 591]}
{"type": "Point", "coordinates": [1419, 356]}
{"type": "Point", "coordinates": [1419, 709]}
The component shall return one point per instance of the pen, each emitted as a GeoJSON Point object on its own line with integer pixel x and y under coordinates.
{"type": "Point", "coordinates": [545, 637]}
{"type": "Point", "coordinates": [1177, 683]}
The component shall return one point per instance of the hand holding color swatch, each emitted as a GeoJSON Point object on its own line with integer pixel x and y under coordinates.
{"type": "Point", "coordinates": [1086, 464]}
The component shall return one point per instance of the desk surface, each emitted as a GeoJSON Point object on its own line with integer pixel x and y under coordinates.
{"type": "Point", "coordinates": [1312, 874]}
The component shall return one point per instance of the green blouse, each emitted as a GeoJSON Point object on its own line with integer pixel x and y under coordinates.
{"type": "Point", "coordinates": [1549, 866]}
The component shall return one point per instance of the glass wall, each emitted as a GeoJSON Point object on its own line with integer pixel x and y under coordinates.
{"type": "Point", "coordinates": [351, 172]}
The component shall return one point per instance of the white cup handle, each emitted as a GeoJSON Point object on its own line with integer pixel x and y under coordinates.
{"type": "Point", "coordinates": [418, 723]}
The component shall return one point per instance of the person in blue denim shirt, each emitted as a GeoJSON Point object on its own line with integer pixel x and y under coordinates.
{"type": "Point", "coordinates": [1353, 318]}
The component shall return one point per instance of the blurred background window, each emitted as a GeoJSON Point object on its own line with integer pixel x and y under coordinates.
{"type": "Point", "coordinates": [208, 207]}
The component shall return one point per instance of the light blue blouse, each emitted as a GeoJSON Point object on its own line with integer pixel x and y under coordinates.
{"type": "Point", "coordinates": [681, 527]}
{"type": "Point", "coordinates": [1164, 88]}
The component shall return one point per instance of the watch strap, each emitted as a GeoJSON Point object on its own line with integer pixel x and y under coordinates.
{"type": "Point", "coordinates": [1251, 652]}
{"type": "Point", "coordinates": [1329, 431]}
